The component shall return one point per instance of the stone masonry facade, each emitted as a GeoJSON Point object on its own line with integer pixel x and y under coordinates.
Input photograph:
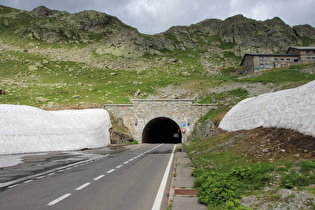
{"type": "Point", "coordinates": [137, 115]}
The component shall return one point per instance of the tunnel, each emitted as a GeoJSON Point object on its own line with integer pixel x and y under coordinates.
{"type": "Point", "coordinates": [162, 130]}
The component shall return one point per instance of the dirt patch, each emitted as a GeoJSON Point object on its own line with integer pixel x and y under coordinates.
{"type": "Point", "coordinates": [274, 143]}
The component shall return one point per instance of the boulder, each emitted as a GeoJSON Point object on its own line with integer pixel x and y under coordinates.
{"type": "Point", "coordinates": [41, 99]}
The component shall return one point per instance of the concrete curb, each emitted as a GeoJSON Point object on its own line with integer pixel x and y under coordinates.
{"type": "Point", "coordinates": [182, 194]}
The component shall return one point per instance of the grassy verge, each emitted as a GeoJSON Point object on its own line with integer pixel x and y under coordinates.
{"type": "Point", "coordinates": [224, 173]}
{"type": "Point", "coordinates": [230, 166]}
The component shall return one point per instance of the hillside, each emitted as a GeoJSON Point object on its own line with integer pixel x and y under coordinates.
{"type": "Point", "coordinates": [57, 60]}
{"type": "Point", "coordinates": [53, 59]}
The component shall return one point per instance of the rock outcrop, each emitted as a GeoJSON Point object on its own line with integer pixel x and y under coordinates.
{"type": "Point", "coordinates": [237, 34]}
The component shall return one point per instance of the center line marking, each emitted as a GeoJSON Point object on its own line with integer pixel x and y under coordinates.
{"type": "Point", "coordinates": [13, 186]}
{"type": "Point", "coordinates": [59, 199]}
{"type": "Point", "coordinates": [110, 171]}
{"type": "Point", "coordinates": [83, 186]}
{"type": "Point", "coordinates": [99, 177]}
{"type": "Point", "coordinates": [119, 166]}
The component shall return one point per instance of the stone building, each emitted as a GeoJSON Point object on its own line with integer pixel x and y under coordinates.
{"type": "Point", "coordinates": [158, 120]}
{"type": "Point", "coordinates": [253, 62]}
{"type": "Point", "coordinates": [306, 54]}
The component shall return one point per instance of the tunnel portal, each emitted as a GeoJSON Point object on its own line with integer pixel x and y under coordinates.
{"type": "Point", "coordinates": [162, 130]}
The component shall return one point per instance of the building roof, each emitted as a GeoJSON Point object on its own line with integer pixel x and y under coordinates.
{"type": "Point", "coordinates": [301, 48]}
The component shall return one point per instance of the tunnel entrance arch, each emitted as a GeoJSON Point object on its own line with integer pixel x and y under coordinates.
{"type": "Point", "coordinates": [162, 130]}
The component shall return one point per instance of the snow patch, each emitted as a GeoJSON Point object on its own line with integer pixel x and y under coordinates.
{"type": "Point", "coordinates": [26, 129]}
{"type": "Point", "coordinates": [291, 109]}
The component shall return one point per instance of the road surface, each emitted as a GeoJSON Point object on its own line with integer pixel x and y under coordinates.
{"type": "Point", "coordinates": [129, 180]}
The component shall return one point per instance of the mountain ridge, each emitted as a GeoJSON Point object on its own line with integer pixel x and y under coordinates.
{"type": "Point", "coordinates": [237, 33]}
{"type": "Point", "coordinates": [113, 62]}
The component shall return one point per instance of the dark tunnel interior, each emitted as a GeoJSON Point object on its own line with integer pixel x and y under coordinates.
{"type": "Point", "coordinates": [162, 130]}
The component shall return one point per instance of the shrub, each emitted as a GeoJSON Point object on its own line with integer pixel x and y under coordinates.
{"type": "Point", "coordinates": [217, 188]}
{"type": "Point", "coordinates": [239, 92]}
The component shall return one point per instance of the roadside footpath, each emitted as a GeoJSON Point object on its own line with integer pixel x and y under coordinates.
{"type": "Point", "coordinates": [182, 195]}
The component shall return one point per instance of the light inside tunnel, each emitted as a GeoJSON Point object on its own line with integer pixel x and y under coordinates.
{"type": "Point", "coordinates": [162, 130]}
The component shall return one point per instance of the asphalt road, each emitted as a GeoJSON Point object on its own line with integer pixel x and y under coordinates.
{"type": "Point", "coordinates": [129, 180]}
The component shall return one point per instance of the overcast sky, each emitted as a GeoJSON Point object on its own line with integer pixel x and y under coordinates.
{"type": "Point", "coordinates": [154, 16]}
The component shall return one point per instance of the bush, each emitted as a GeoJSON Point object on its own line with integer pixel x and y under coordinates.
{"type": "Point", "coordinates": [254, 176]}
{"type": "Point", "coordinates": [295, 179]}
{"type": "Point", "coordinates": [239, 92]}
{"type": "Point", "coordinates": [216, 189]}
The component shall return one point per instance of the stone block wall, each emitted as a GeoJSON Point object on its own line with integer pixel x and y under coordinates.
{"type": "Point", "coordinates": [138, 114]}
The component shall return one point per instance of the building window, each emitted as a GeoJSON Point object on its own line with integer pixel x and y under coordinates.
{"type": "Point", "coordinates": [266, 58]}
{"type": "Point", "coordinates": [262, 66]}
{"type": "Point", "coordinates": [276, 59]}
{"type": "Point", "coordinates": [267, 66]}
{"type": "Point", "coordinates": [281, 59]}
{"type": "Point", "coordinates": [288, 59]}
{"type": "Point", "coordinates": [308, 58]}
{"type": "Point", "coordinates": [296, 60]}
{"type": "Point", "coordinates": [313, 58]}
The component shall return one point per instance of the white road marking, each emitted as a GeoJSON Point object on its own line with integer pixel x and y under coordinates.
{"type": "Point", "coordinates": [119, 166]}
{"type": "Point", "coordinates": [28, 181]}
{"type": "Point", "coordinates": [159, 196]}
{"type": "Point", "coordinates": [13, 186]}
{"type": "Point", "coordinates": [59, 199]}
{"type": "Point", "coordinates": [40, 177]}
{"type": "Point", "coordinates": [110, 171]}
{"type": "Point", "coordinates": [126, 162]}
{"type": "Point", "coordinates": [83, 186]}
{"type": "Point", "coordinates": [99, 177]}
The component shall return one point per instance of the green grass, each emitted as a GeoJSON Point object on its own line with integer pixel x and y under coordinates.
{"type": "Point", "coordinates": [281, 77]}
{"type": "Point", "coordinates": [223, 175]}
{"type": "Point", "coordinates": [59, 81]}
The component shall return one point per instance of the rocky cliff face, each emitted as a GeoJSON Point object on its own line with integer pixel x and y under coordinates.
{"type": "Point", "coordinates": [236, 34]}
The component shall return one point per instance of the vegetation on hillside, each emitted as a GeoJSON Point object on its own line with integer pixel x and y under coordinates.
{"type": "Point", "coordinates": [56, 60]}
{"type": "Point", "coordinates": [230, 166]}
{"type": "Point", "coordinates": [254, 168]}
{"type": "Point", "coordinates": [53, 59]}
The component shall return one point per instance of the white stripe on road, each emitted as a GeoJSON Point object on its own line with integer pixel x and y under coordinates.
{"type": "Point", "coordinates": [159, 196]}
{"type": "Point", "coordinates": [158, 199]}
{"type": "Point", "coordinates": [110, 171]}
{"type": "Point", "coordinates": [119, 166]}
{"type": "Point", "coordinates": [99, 177]}
{"type": "Point", "coordinates": [59, 199]}
{"type": "Point", "coordinates": [28, 181]}
{"type": "Point", "coordinates": [83, 186]}
{"type": "Point", "coordinates": [13, 186]}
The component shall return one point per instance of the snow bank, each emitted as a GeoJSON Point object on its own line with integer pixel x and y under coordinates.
{"type": "Point", "coordinates": [26, 129]}
{"type": "Point", "coordinates": [292, 109]}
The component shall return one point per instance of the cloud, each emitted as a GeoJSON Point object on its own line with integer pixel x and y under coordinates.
{"type": "Point", "coordinates": [154, 16]}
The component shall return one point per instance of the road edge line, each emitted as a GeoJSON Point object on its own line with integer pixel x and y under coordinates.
{"type": "Point", "coordinates": [159, 196]}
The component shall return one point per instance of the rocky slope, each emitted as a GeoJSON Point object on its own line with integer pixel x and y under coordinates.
{"type": "Point", "coordinates": [237, 34]}
{"type": "Point", "coordinates": [112, 62]}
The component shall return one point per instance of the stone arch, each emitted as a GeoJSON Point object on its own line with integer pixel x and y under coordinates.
{"type": "Point", "coordinates": [161, 130]}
